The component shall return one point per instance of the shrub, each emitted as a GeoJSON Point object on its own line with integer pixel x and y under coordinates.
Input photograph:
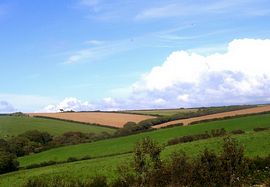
{"type": "Point", "coordinates": [189, 138]}
{"type": "Point", "coordinates": [37, 136]}
{"type": "Point", "coordinates": [8, 162]}
{"type": "Point", "coordinates": [180, 169]}
{"type": "Point", "coordinates": [239, 131]}
{"type": "Point", "coordinates": [218, 132]}
{"type": "Point", "coordinates": [207, 170]}
{"type": "Point", "coordinates": [233, 163]}
{"type": "Point", "coordinates": [72, 159]}
{"type": "Point", "coordinates": [260, 129]}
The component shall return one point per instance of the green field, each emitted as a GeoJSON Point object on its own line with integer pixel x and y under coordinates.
{"type": "Point", "coordinates": [161, 112]}
{"type": "Point", "coordinates": [171, 112]}
{"type": "Point", "coordinates": [11, 126]}
{"type": "Point", "coordinates": [125, 144]}
{"type": "Point", "coordinates": [255, 143]}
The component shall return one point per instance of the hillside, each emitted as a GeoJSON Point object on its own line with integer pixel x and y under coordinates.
{"type": "Point", "coordinates": [12, 125]}
{"type": "Point", "coordinates": [256, 143]}
{"type": "Point", "coordinates": [104, 118]}
{"type": "Point", "coordinates": [125, 144]}
{"type": "Point", "coordinates": [259, 109]}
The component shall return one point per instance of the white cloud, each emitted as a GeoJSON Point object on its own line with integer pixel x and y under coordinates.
{"type": "Point", "coordinates": [241, 74]}
{"type": "Point", "coordinates": [6, 107]}
{"type": "Point", "coordinates": [69, 103]}
{"type": "Point", "coordinates": [26, 103]}
{"type": "Point", "coordinates": [183, 98]}
{"type": "Point", "coordinates": [176, 8]}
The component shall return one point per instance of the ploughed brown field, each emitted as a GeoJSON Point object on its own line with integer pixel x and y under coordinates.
{"type": "Point", "coordinates": [255, 110]}
{"type": "Point", "coordinates": [103, 118]}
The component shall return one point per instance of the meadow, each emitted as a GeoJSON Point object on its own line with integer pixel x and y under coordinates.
{"type": "Point", "coordinates": [14, 125]}
{"type": "Point", "coordinates": [125, 144]}
{"type": "Point", "coordinates": [256, 144]}
{"type": "Point", "coordinates": [161, 112]}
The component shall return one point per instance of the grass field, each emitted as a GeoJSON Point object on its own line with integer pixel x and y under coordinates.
{"type": "Point", "coordinates": [247, 111]}
{"type": "Point", "coordinates": [161, 112]}
{"type": "Point", "coordinates": [125, 144]}
{"type": "Point", "coordinates": [11, 125]}
{"type": "Point", "coordinates": [255, 144]}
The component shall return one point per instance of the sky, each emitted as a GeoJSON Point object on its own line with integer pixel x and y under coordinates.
{"type": "Point", "coordinates": [133, 54]}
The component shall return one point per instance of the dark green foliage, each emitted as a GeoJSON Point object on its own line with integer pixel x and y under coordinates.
{"type": "Point", "coordinates": [37, 136]}
{"type": "Point", "coordinates": [218, 132]}
{"type": "Point", "coordinates": [72, 159]}
{"type": "Point", "coordinates": [184, 115]}
{"type": "Point", "coordinates": [230, 168]}
{"type": "Point", "coordinates": [21, 146]}
{"type": "Point", "coordinates": [206, 170]}
{"type": "Point", "coordinates": [239, 131]}
{"type": "Point", "coordinates": [233, 163]}
{"type": "Point", "coordinates": [8, 162]}
{"type": "Point", "coordinates": [189, 138]}
{"type": "Point", "coordinates": [147, 164]}
{"type": "Point", "coordinates": [180, 169]}
{"type": "Point", "coordinates": [97, 181]}
{"type": "Point", "coordinates": [172, 125]}
{"type": "Point", "coordinates": [19, 114]}
{"type": "Point", "coordinates": [260, 129]}
{"type": "Point", "coordinates": [131, 128]}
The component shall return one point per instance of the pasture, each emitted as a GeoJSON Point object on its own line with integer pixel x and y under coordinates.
{"type": "Point", "coordinates": [259, 109]}
{"type": "Point", "coordinates": [125, 144]}
{"type": "Point", "coordinates": [256, 144]}
{"type": "Point", "coordinates": [14, 125]}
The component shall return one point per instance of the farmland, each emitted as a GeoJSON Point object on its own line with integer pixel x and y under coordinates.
{"type": "Point", "coordinates": [254, 110]}
{"type": "Point", "coordinates": [255, 144]}
{"type": "Point", "coordinates": [125, 144]}
{"type": "Point", "coordinates": [161, 112]}
{"type": "Point", "coordinates": [13, 125]}
{"type": "Point", "coordinates": [106, 155]}
{"type": "Point", "coordinates": [104, 118]}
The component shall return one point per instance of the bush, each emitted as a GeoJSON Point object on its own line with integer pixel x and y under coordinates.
{"type": "Point", "coordinates": [180, 169]}
{"type": "Point", "coordinates": [218, 132]}
{"type": "Point", "coordinates": [260, 129]}
{"type": "Point", "coordinates": [72, 159]}
{"type": "Point", "coordinates": [188, 138]}
{"type": "Point", "coordinates": [233, 163]}
{"type": "Point", "coordinates": [37, 136]}
{"type": "Point", "coordinates": [239, 131]}
{"type": "Point", "coordinates": [8, 162]}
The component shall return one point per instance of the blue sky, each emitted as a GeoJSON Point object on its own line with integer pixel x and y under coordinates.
{"type": "Point", "coordinates": [93, 54]}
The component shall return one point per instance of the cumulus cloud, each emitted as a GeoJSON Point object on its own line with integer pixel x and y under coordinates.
{"type": "Point", "coordinates": [6, 107]}
{"type": "Point", "coordinates": [241, 75]}
{"type": "Point", "coordinates": [70, 103]}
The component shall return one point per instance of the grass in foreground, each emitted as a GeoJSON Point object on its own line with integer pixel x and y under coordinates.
{"type": "Point", "coordinates": [12, 126]}
{"type": "Point", "coordinates": [125, 144]}
{"type": "Point", "coordinates": [255, 143]}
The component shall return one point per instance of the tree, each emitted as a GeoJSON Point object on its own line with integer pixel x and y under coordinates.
{"type": "Point", "coordinates": [8, 162]}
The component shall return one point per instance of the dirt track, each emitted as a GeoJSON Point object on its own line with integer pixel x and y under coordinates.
{"type": "Point", "coordinates": [219, 115]}
{"type": "Point", "coordinates": [103, 118]}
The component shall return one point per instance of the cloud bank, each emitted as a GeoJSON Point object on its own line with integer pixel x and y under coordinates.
{"type": "Point", "coordinates": [241, 75]}
{"type": "Point", "coordinates": [6, 107]}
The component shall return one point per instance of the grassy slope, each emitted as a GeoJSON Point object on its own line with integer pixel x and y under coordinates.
{"type": "Point", "coordinates": [125, 144]}
{"type": "Point", "coordinates": [10, 125]}
{"type": "Point", "coordinates": [162, 112]}
{"type": "Point", "coordinates": [255, 144]}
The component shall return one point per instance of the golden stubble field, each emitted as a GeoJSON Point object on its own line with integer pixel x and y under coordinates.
{"type": "Point", "coordinates": [255, 110]}
{"type": "Point", "coordinates": [103, 118]}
